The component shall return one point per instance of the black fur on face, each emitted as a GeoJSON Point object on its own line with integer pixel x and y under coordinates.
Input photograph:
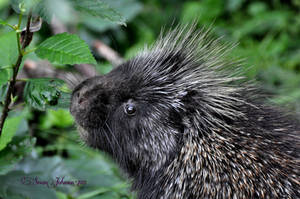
{"type": "Point", "coordinates": [118, 114]}
{"type": "Point", "coordinates": [173, 119]}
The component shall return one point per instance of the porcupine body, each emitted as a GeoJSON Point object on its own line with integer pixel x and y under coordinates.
{"type": "Point", "coordinates": [181, 127]}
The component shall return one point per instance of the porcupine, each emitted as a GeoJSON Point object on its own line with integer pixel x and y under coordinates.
{"type": "Point", "coordinates": [181, 126]}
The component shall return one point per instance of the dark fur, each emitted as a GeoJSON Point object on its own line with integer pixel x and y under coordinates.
{"type": "Point", "coordinates": [194, 135]}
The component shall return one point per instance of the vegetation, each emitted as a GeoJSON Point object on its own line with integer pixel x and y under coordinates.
{"type": "Point", "coordinates": [41, 155]}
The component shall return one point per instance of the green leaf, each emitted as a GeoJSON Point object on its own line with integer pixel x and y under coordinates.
{"type": "Point", "coordinates": [97, 166]}
{"type": "Point", "coordinates": [4, 3]}
{"type": "Point", "coordinates": [59, 118]}
{"type": "Point", "coordinates": [14, 152]}
{"type": "Point", "coordinates": [9, 129]}
{"type": "Point", "coordinates": [206, 11]}
{"type": "Point", "coordinates": [128, 9]}
{"type": "Point", "coordinates": [99, 191]}
{"type": "Point", "coordinates": [47, 167]}
{"type": "Point", "coordinates": [257, 8]}
{"type": "Point", "coordinates": [289, 98]}
{"type": "Point", "coordinates": [98, 8]}
{"type": "Point", "coordinates": [8, 49]}
{"type": "Point", "coordinates": [3, 91]}
{"type": "Point", "coordinates": [2, 22]}
{"type": "Point", "coordinates": [20, 185]}
{"type": "Point", "coordinates": [61, 9]}
{"type": "Point", "coordinates": [233, 5]}
{"type": "Point", "coordinates": [4, 76]}
{"type": "Point", "coordinates": [45, 93]}
{"type": "Point", "coordinates": [61, 195]}
{"type": "Point", "coordinates": [65, 49]}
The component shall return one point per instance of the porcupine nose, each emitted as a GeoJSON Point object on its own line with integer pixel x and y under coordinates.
{"type": "Point", "coordinates": [79, 98]}
{"type": "Point", "coordinates": [79, 101]}
{"type": "Point", "coordinates": [82, 94]}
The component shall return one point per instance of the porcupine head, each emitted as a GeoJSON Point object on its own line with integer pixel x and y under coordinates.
{"type": "Point", "coordinates": [180, 126]}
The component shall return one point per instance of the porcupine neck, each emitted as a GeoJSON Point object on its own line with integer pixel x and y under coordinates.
{"type": "Point", "coordinates": [231, 162]}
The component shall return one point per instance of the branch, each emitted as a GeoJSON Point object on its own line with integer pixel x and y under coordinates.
{"type": "Point", "coordinates": [108, 53]}
{"type": "Point", "coordinates": [57, 27]}
{"type": "Point", "coordinates": [86, 70]}
{"type": "Point", "coordinates": [25, 41]}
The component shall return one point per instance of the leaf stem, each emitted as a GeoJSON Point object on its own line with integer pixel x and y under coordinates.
{"type": "Point", "coordinates": [19, 46]}
{"type": "Point", "coordinates": [11, 26]}
{"type": "Point", "coordinates": [20, 20]}
{"type": "Point", "coordinates": [29, 51]}
{"type": "Point", "coordinates": [6, 67]}
{"type": "Point", "coordinates": [11, 87]}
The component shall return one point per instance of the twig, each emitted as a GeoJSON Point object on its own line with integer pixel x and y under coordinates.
{"type": "Point", "coordinates": [57, 26]}
{"type": "Point", "coordinates": [25, 41]}
{"type": "Point", "coordinates": [86, 70]}
{"type": "Point", "coordinates": [108, 53]}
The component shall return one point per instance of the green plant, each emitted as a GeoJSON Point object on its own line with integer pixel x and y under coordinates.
{"type": "Point", "coordinates": [18, 152]}
{"type": "Point", "coordinates": [39, 129]}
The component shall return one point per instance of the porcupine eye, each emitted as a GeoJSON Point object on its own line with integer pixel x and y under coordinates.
{"type": "Point", "coordinates": [130, 108]}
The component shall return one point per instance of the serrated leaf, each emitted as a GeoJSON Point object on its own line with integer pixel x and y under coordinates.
{"type": "Point", "coordinates": [9, 129]}
{"type": "Point", "coordinates": [98, 8]}
{"type": "Point", "coordinates": [45, 93]}
{"type": "Point", "coordinates": [65, 49]}
{"type": "Point", "coordinates": [8, 49]}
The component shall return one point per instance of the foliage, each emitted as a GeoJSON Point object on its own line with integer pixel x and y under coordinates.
{"type": "Point", "coordinates": [26, 172]}
{"type": "Point", "coordinates": [44, 92]}
{"type": "Point", "coordinates": [9, 129]}
{"type": "Point", "coordinates": [65, 48]}
{"type": "Point", "coordinates": [39, 138]}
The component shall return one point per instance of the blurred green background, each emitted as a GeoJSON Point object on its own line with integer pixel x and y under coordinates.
{"type": "Point", "coordinates": [47, 145]}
